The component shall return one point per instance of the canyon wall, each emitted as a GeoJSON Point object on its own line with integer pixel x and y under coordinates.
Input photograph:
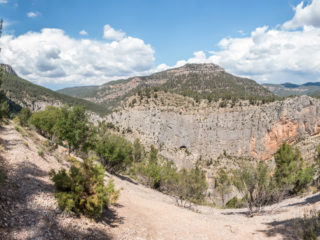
{"type": "Point", "coordinates": [251, 131]}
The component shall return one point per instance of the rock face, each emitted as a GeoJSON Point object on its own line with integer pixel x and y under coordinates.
{"type": "Point", "coordinates": [7, 68]}
{"type": "Point", "coordinates": [252, 131]}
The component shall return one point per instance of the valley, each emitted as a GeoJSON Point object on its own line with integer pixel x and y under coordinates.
{"type": "Point", "coordinates": [160, 120]}
{"type": "Point", "coordinates": [197, 118]}
{"type": "Point", "coordinates": [141, 213]}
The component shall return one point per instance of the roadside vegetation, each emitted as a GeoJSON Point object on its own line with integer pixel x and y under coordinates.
{"type": "Point", "coordinates": [225, 99]}
{"type": "Point", "coordinates": [70, 127]}
{"type": "Point", "coordinates": [308, 228]}
{"type": "Point", "coordinates": [81, 189]}
{"type": "Point", "coordinates": [259, 185]}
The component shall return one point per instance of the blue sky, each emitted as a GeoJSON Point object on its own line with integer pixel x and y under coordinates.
{"type": "Point", "coordinates": [146, 36]}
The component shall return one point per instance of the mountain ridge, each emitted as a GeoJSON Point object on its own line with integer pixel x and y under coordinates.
{"type": "Point", "coordinates": [201, 81]}
{"type": "Point", "coordinates": [288, 89]}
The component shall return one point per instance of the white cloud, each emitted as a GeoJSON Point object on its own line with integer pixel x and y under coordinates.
{"type": "Point", "coordinates": [273, 55]}
{"type": "Point", "coordinates": [83, 33]}
{"type": "Point", "coordinates": [269, 55]}
{"type": "Point", "coordinates": [305, 16]}
{"type": "Point", "coordinates": [52, 57]}
{"type": "Point", "coordinates": [3, 1]}
{"type": "Point", "coordinates": [111, 34]}
{"type": "Point", "coordinates": [33, 14]}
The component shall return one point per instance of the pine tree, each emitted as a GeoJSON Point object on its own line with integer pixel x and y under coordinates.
{"type": "Point", "coordinates": [291, 173]}
{"type": "Point", "coordinates": [223, 184]}
{"type": "Point", "coordinates": [73, 127]}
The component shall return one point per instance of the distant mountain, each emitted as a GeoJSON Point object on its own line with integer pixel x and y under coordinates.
{"type": "Point", "coordinates": [317, 84]}
{"type": "Point", "coordinates": [288, 89]}
{"type": "Point", "coordinates": [81, 92]}
{"type": "Point", "coordinates": [290, 85]}
{"type": "Point", "coordinates": [193, 80]}
{"type": "Point", "coordinates": [25, 93]}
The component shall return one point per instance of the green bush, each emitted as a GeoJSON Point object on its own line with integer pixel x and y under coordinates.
{"type": "Point", "coordinates": [187, 186]}
{"type": "Point", "coordinates": [169, 177]}
{"type": "Point", "coordinates": [255, 184]}
{"type": "Point", "coordinates": [308, 228]}
{"type": "Point", "coordinates": [18, 129]}
{"type": "Point", "coordinates": [114, 152]}
{"type": "Point", "coordinates": [234, 203]}
{"type": "Point", "coordinates": [73, 127]}
{"type": "Point", "coordinates": [317, 164]}
{"type": "Point", "coordinates": [152, 171]}
{"type": "Point", "coordinates": [46, 121]}
{"type": "Point", "coordinates": [191, 186]}
{"type": "Point", "coordinates": [70, 125]}
{"type": "Point", "coordinates": [5, 109]}
{"type": "Point", "coordinates": [82, 189]}
{"type": "Point", "coordinates": [223, 184]}
{"type": "Point", "coordinates": [24, 116]}
{"type": "Point", "coordinates": [291, 171]}
{"type": "Point", "coordinates": [138, 151]}
{"type": "Point", "coordinates": [40, 153]}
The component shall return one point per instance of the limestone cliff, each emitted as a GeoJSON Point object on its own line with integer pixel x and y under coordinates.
{"type": "Point", "coordinates": [253, 131]}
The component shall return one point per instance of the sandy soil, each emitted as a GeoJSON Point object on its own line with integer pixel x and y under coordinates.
{"type": "Point", "coordinates": [28, 209]}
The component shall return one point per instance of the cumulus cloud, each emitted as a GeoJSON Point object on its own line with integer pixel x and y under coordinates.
{"type": "Point", "coordinates": [308, 15]}
{"type": "Point", "coordinates": [111, 34]}
{"type": "Point", "coordinates": [269, 54]}
{"type": "Point", "coordinates": [273, 55]}
{"type": "Point", "coordinates": [83, 33]}
{"type": "Point", "coordinates": [52, 57]}
{"type": "Point", "coordinates": [3, 1]}
{"type": "Point", "coordinates": [33, 14]}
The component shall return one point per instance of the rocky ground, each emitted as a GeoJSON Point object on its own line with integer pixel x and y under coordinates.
{"type": "Point", "coordinates": [28, 209]}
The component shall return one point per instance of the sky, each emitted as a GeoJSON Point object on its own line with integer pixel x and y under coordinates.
{"type": "Point", "coordinates": [60, 44]}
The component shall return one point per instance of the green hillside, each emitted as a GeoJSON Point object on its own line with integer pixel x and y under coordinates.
{"type": "Point", "coordinates": [23, 90]}
{"type": "Point", "coordinates": [202, 81]}
{"type": "Point", "coordinates": [80, 92]}
{"type": "Point", "coordinates": [193, 80]}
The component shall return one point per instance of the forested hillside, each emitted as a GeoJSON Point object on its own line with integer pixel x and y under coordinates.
{"type": "Point", "coordinates": [199, 81]}
{"type": "Point", "coordinates": [23, 92]}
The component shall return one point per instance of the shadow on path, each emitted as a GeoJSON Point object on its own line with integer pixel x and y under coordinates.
{"type": "Point", "coordinates": [309, 200]}
{"type": "Point", "coordinates": [293, 228]}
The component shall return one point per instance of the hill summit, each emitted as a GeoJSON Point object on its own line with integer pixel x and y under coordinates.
{"type": "Point", "coordinates": [200, 81]}
{"type": "Point", "coordinates": [8, 69]}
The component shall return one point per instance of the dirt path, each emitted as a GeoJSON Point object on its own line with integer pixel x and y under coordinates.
{"type": "Point", "coordinates": [28, 209]}
{"type": "Point", "coordinates": [152, 215]}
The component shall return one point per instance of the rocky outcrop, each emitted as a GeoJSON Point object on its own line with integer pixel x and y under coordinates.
{"type": "Point", "coordinates": [7, 68]}
{"type": "Point", "coordinates": [252, 131]}
{"type": "Point", "coordinates": [34, 106]}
